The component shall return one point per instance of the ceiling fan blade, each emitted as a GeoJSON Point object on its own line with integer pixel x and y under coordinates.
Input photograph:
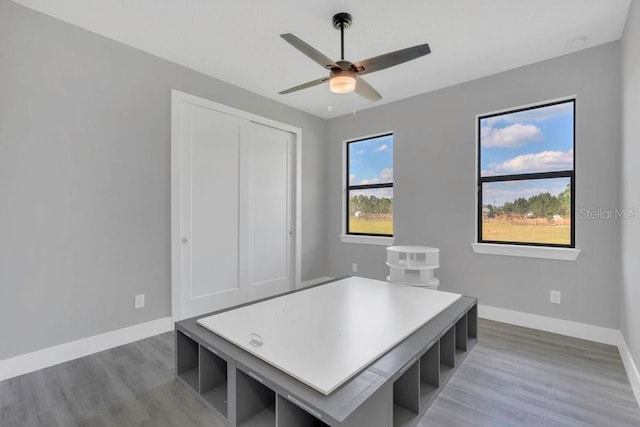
{"type": "Point", "coordinates": [366, 90]}
{"type": "Point", "coordinates": [309, 51]}
{"type": "Point", "coordinates": [305, 85]}
{"type": "Point", "coordinates": [390, 59]}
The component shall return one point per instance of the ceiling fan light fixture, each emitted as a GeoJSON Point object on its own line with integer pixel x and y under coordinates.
{"type": "Point", "coordinates": [342, 81]}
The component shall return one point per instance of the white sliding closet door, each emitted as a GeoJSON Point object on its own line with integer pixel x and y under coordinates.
{"type": "Point", "coordinates": [209, 181]}
{"type": "Point", "coordinates": [233, 208]}
{"type": "Point", "coordinates": [270, 211]}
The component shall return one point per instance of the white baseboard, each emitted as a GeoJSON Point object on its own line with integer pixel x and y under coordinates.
{"type": "Point", "coordinates": [40, 359]}
{"type": "Point", "coordinates": [572, 329]}
{"type": "Point", "coordinates": [630, 367]}
{"type": "Point", "coordinates": [550, 324]}
{"type": "Point", "coordinates": [315, 281]}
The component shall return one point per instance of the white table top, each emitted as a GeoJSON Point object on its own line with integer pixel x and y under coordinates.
{"type": "Point", "coordinates": [324, 335]}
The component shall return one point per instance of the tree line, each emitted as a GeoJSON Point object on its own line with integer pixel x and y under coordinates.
{"type": "Point", "coordinates": [542, 205]}
{"type": "Point", "coordinates": [370, 204]}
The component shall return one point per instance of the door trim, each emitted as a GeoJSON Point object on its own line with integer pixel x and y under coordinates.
{"type": "Point", "coordinates": [177, 98]}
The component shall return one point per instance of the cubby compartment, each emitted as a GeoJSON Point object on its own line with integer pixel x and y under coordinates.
{"type": "Point", "coordinates": [213, 380]}
{"type": "Point", "coordinates": [255, 403]}
{"type": "Point", "coordinates": [447, 354]}
{"type": "Point", "coordinates": [406, 396]}
{"type": "Point", "coordinates": [429, 374]}
{"type": "Point", "coordinates": [290, 415]}
{"type": "Point", "coordinates": [461, 336]}
{"type": "Point", "coordinates": [187, 360]}
{"type": "Point", "coordinates": [472, 325]}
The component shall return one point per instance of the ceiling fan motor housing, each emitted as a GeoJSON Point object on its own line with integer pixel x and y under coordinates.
{"type": "Point", "coordinates": [342, 73]}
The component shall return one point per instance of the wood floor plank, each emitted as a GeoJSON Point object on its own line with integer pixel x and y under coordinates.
{"type": "Point", "coordinates": [513, 377]}
{"type": "Point", "coordinates": [518, 376]}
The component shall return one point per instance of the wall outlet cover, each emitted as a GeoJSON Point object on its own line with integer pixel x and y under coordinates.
{"type": "Point", "coordinates": [139, 301]}
{"type": "Point", "coordinates": [354, 267]}
{"type": "Point", "coordinates": [555, 297]}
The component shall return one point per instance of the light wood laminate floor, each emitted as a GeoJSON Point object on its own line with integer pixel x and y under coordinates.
{"type": "Point", "coordinates": [514, 376]}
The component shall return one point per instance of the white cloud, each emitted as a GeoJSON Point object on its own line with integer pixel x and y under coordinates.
{"type": "Point", "coordinates": [352, 178]}
{"type": "Point", "coordinates": [360, 152]}
{"type": "Point", "coordinates": [385, 176]}
{"type": "Point", "coordinates": [537, 162]}
{"type": "Point", "coordinates": [515, 135]}
{"type": "Point", "coordinates": [369, 181]}
{"type": "Point", "coordinates": [383, 147]}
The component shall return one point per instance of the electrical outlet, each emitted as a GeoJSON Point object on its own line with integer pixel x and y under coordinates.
{"type": "Point", "coordinates": [354, 267]}
{"type": "Point", "coordinates": [139, 301]}
{"type": "Point", "coordinates": [555, 297]}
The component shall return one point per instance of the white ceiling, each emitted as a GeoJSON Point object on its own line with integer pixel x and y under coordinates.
{"type": "Point", "coordinates": [238, 41]}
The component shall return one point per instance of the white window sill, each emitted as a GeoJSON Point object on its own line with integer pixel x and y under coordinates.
{"type": "Point", "coordinates": [366, 240]}
{"type": "Point", "coordinates": [563, 254]}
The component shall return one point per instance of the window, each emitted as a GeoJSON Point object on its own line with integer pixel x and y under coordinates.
{"type": "Point", "coordinates": [526, 176]}
{"type": "Point", "coordinates": [369, 190]}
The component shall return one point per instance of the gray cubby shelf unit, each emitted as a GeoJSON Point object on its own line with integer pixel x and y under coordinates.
{"type": "Point", "coordinates": [406, 395]}
{"type": "Point", "coordinates": [204, 371]}
{"type": "Point", "coordinates": [214, 379]}
{"type": "Point", "coordinates": [472, 325]}
{"type": "Point", "coordinates": [290, 414]}
{"type": "Point", "coordinates": [395, 390]}
{"type": "Point", "coordinates": [447, 354]}
{"type": "Point", "coordinates": [429, 374]}
{"type": "Point", "coordinates": [187, 366]}
{"type": "Point", "coordinates": [255, 402]}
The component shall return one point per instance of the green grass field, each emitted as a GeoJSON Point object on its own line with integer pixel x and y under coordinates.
{"type": "Point", "coordinates": [499, 231]}
{"type": "Point", "coordinates": [506, 232]}
{"type": "Point", "coordinates": [371, 225]}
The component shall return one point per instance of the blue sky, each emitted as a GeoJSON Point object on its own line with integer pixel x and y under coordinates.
{"type": "Point", "coordinates": [538, 140]}
{"type": "Point", "coordinates": [371, 161]}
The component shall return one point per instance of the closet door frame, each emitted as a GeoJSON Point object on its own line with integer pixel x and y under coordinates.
{"type": "Point", "coordinates": [177, 98]}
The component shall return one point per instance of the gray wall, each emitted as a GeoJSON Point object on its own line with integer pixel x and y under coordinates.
{"type": "Point", "coordinates": [84, 183]}
{"type": "Point", "coordinates": [85, 180]}
{"type": "Point", "coordinates": [630, 291]}
{"type": "Point", "coordinates": [434, 169]}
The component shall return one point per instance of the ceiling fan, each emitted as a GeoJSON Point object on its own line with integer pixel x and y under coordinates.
{"type": "Point", "coordinates": [345, 76]}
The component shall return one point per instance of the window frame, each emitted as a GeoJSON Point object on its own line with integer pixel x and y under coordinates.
{"type": "Point", "coordinates": [348, 187]}
{"type": "Point", "coordinates": [525, 176]}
